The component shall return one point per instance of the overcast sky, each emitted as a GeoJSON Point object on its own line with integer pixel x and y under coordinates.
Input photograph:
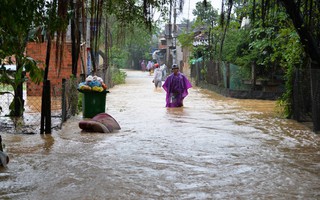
{"type": "Point", "coordinates": [190, 5]}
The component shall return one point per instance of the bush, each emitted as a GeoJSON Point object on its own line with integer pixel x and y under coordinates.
{"type": "Point", "coordinates": [118, 76]}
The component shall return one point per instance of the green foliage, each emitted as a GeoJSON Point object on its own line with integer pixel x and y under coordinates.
{"type": "Point", "coordinates": [29, 66]}
{"type": "Point", "coordinates": [79, 105]}
{"type": "Point", "coordinates": [284, 104]}
{"type": "Point", "coordinates": [206, 20]}
{"type": "Point", "coordinates": [127, 12]}
{"type": "Point", "coordinates": [186, 39]}
{"type": "Point", "coordinates": [35, 73]}
{"type": "Point", "coordinates": [17, 78]}
{"type": "Point", "coordinates": [278, 49]}
{"type": "Point", "coordinates": [18, 18]}
{"type": "Point", "coordinates": [119, 57]}
{"type": "Point", "coordinates": [271, 42]}
{"type": "Point", "coordinates": [236, 47]}
{"type": "Point", "coordinates": [204, 71]}
{"type": "Point", "coordinates": [201, 51]}
{"type": "Point", "coordinates": [72, 95]}
{"type": "Point", "coordinates": [12, 107]}
{"type": "Point", "coordinates": [292, 58]}
{"type": "Point", "coordinates": [118, 76]}
{"type": "Point", "coordinates": [131, 42]}
{"type": "Point", "coordinates": [205, 14]}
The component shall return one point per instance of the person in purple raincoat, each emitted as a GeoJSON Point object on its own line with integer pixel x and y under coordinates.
{"type": "Point", "coordinates": [176, 85]}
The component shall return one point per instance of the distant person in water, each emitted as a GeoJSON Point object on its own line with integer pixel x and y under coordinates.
{"type": "Point", "coordinates": [143, 65]}
{"type": "Point", "coordinates": [163, 68]}
{"type": "Point", "coordinates": [157, 76]}
{"type": "Point", "coordinates": [176, 85]}
{"type": "Point", "coordinates": [149, 66]}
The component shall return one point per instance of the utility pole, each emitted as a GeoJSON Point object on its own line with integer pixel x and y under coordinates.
{"type": "Point", "coordinates": [168, 36]}
{"type": "Point", "coordinates": [188, 22]}
{"type": "Point", "coordinates": [174, 34]}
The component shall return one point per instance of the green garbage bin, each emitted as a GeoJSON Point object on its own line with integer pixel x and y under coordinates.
{"type": "Point", "coordinates": [93, 103]}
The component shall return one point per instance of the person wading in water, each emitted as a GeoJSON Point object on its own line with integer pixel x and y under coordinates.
{"type": "Point", "coordinates": [157, 77]}
{"type": "Point", "coordinates": [176, 86]}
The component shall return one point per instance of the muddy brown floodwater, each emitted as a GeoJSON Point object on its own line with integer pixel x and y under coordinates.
{"type": "Point", "coordinates": [212, 148]}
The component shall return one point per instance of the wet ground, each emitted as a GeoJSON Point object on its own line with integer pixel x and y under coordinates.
{"type": "Point", "coordinates": [212, 148]}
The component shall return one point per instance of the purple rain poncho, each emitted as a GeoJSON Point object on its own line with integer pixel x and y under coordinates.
{"type": "Point", "coordinates": [176, 87]}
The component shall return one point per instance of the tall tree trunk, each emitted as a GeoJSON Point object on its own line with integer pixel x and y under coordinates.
{"type": "Point", "coordinates": [18, 93]}
{"type": "Point", "coordinates": [105, 57]}
{"type": "Point", "coordinates": [45, 101]}
{"type": "Point", "coordinates": [75, 38]}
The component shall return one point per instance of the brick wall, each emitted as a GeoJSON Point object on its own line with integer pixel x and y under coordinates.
{"type": "Point", "coordinates": [38, 52]}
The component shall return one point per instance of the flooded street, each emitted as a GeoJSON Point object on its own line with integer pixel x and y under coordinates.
{"type": "Point", "coordinates": [212, 148]}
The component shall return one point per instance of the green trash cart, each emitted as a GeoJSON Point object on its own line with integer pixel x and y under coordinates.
{"type": "Point", "coordinates": [93, 102]}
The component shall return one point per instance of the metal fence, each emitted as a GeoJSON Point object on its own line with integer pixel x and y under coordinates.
{"type": "Point", "coordinates": [64, 101]}
{"type": "Point", "coordinates": [225, 78]}
{"type": "Point", "coordinates": [306, 96]}
{"type": "Point", "coordinates": [231, 78]}
{"type": "Point", "coordinates": [302, 99]}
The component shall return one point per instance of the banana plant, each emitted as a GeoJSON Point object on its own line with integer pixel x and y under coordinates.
{"type": "Point", "coordinates": [17, 78]}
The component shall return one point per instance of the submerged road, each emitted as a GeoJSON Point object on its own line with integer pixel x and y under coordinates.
{"type": "Point", "coordinates": [212, 148]}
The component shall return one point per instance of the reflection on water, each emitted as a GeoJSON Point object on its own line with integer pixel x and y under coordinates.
{"type": "Point", "coordinates": [212, 148]}
{"type": "Point", "coordinates": [48, 142]}
{"type": "Point", "coordinates": [177, 112]}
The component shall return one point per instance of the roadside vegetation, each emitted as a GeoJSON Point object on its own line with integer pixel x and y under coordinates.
{"type": "Point", "coordinates": [268, 38]}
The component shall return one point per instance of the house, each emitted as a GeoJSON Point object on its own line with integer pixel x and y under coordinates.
{"type": "Point", "coordinates": [172, 51]}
